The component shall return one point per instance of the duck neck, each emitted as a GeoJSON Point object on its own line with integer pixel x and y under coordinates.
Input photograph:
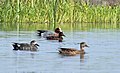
{"type": "Point", "coordinates": [59, 36]}
{"type": "Point", "coordinates": [60, 39]}
{"type": "Point", "coordinates": [81, 48]}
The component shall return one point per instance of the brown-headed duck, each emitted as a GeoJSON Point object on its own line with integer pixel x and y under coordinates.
{"type": "Point", "coordinates": [59, 37]}
{"type": "Point", "coordinates": [47, 33]}
{"type": "Point", "coordinates": [72, 51]}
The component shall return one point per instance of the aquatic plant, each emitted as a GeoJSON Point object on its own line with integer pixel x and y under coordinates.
{"type": "Point", "coordinates": [57, 11]}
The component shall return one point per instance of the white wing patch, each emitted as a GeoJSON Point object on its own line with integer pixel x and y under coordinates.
{"type": "Point", "coordinates": [18, 45]}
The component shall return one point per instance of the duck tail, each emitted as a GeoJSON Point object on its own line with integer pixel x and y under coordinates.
{"type": "Point", "coordinates": [41, 31]}
{"type": "Point", "coordinates": [60, 51]}
{"type": "Point", "coordinates": [15, 46]}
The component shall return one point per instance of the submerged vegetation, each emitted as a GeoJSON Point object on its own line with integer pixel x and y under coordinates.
{"type": "Point", "coordinates": [57, 11]}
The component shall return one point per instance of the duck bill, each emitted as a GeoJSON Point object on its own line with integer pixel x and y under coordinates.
{"type": "Point", "coordinates": [61, 34]}
{"type": "Point", "coordinates": [36, 44]}
{"type": "Point", "coordinates": [64, 35]}
{"type": "Point", "coordinates": [86, 46]}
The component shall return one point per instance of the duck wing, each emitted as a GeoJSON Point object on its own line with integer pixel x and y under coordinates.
{"type": "Point", "coordinates": [68, 49]}
{"type": "Point", "coordinates": [24, 46]}
{"type": "Point", "coordinates": [41, 31]}
{"type": "Point", "coordinates": [47, 34]}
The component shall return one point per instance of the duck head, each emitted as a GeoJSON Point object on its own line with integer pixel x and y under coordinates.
{"type": "Point", "coordinates": [83, 45]}
{"type": "Point", "coordinates": [58, 30]}
{"type": "Point", "coordinates": [61, 34]}
{"type": "Point", "coordinates": [33, 42]}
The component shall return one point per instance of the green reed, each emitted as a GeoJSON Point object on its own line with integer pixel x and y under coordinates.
{"type": "Point", "coordinates": [56, 11]}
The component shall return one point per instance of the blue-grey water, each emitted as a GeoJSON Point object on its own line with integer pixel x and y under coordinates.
{"type": "Point", "coordinates": [103, 55]}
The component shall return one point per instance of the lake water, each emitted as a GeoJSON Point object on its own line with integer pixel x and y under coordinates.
{"type": "Point", "coordinates": [103, 55]}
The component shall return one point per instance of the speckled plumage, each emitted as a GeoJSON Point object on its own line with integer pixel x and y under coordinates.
{"type": "Point", "coordinates": [25, 46]}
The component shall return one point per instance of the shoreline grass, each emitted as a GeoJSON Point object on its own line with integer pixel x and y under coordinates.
{"type": "Point", "coordinates": [57, 11]}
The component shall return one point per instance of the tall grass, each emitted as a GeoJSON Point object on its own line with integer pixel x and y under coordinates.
{"type": "Point", "coordinates": [56, 11]}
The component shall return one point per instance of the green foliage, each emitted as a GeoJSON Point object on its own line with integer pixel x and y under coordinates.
{"type": "Point", "coordinates": [56, 11]}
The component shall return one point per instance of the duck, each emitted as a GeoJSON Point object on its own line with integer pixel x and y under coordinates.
{"type": "Point", "coordinates": [73, 51]}
{"type": "Point", "coordinates": [47, 33]}
{"type": "Point", "coordinates": [33, 46]}
{"type": "Point", "coordinates": [59, 37]}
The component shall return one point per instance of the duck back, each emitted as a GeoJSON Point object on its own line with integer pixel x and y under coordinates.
{"type": "Point", "coordinates": [24, 47]}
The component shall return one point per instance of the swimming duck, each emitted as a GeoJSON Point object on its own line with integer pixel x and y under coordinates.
{"type": "Point", "coordinates": [25, 46]}
{"type": "Point", "coordinates": [59, 37]}
{"type": "Point", "coordinates": [72, 51]}
{"type": "Point", "coordinates": [49, 33]}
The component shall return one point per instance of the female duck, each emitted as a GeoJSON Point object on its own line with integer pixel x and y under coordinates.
{"type": "Point", "coordinates": [72, 51]}
{"type": "Point", "coordinates": [25, 46]}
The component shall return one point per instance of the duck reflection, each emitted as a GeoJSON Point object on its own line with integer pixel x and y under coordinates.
{"type": "Point", "coordinates": [32, 55]}
{"type": "Point", "coordinates": [82, 57]}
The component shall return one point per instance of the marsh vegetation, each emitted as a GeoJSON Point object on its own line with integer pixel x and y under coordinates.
{"type": "Point", "coordinates": [57, 11]}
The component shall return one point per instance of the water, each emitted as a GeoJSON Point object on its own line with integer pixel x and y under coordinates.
{"type": "Point", "coordinates": [103, 55]}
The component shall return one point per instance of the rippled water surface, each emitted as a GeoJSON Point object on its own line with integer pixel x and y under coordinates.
{"type": "Point", "coordinates": [103, 55]}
